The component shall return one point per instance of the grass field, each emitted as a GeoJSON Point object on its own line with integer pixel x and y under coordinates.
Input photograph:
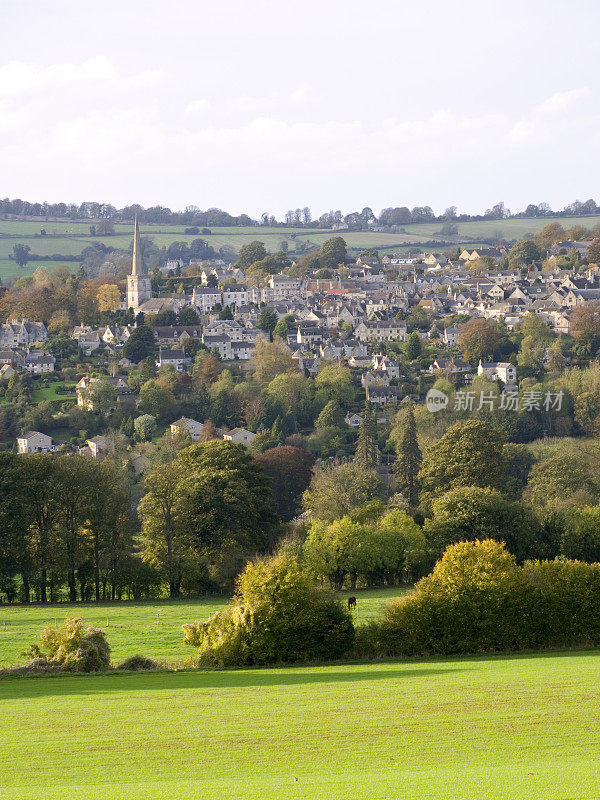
{"type": "Point", "coordinates": [70, 238]}
{"type": "Point", "coordinates": [501, 728]}
{"type": "Point", "coordinates": [8, 268]}
{"type": "Point", "coordinates": [150, 628]}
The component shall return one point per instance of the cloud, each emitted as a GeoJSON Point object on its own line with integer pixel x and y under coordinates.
{"type": "Point", "coordinates": [522, 131]}
{"type": "Point", "coordinates": [110, 135]}
{"type": "Point", "coordinates": [21, 78]}
{"type": "Point", "coordinates": [560, 102]}
{"type": "Point", "coordinates": [197, 108]}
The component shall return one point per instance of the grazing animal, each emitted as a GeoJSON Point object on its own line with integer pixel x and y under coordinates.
{"type": "Point", "coordinates": [351, 603]}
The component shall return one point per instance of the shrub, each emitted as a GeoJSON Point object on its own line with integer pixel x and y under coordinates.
{"type": "Point", "coordinates": [278, 614]}
{"type": "Point", "coordinates": [138, 662]}
{"type": "Point", "coordinates": [467, 604]}
{"type": "Point", "coordinates": [564, 603]}
{"type": "Point", "coordinates": [73, 648]}
{"type": "Point", "coordinates": [478, 600]}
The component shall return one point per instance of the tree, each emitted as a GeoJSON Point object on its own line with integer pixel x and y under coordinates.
{"type": "Point", "coordinates": [282, 327]}
{"type": "Point", "coordinates": [593, 253]}
{"type": "Point", "coordinates": [105, 227]}
{"type": "Point", "coordinates": [408, 454]}
{"type": "Point", "coordinates": [109, 297]}
{"type": "Point", "coordinates": [108, 530]}
{"type": "Point", "coordinates": [164, 538]}
{"type": "Point", "coordinates": [103, 396]}
{"type": "Point", "coordinates": [155, 399]}
{"type": "Point", "coordinates": [468, 454]}
{"type": "Point", "coordinates": [227, 498]}
{"type": "Point", "coordinates": [60, 322]}
{"type": "Point", "coordinates": [412, 348]}
{"type": "Point", "coordinates": [21, 254]}
{"type": "Point", "coordinates": [334, 382]}
{"type": "Point", "coordinates": [61, 345]}
{"type": "Point", "coordinates": [73, 478]}
{"type": "Point", "coordinates": [468, 513]}
{"type": "Point", "coordinates": [585, 320]}
{"type": "Point", "coordinates": [188, 316]}
{"type": "Point", "coordinates": [331, 416]}
{"type": "Point", "coordinates": [271, 359]}
{"type": "Point", "coordinates": [366, 445]}
{"type": "Point", "coordinates": [251, 253]}
{"type": "Point", "coordinates": [581, 536]}
{"type": "Point", "coordinates": [290, 471]}
{"type": "Point", "coordinates": [16, 543]}
{"type": "Point", "coordinates": [478, 339]}
{"type": "Point", "coordinates": [291, 393]}
{"type": "Point", "coordinates": [257, 275]}
{"type": "Point", "coordinates": [335, 491]}
{"type": "Point", "coordinates": [144, 427]}
{"type": "Point", "coordinates": [333, 252]}
{"type": "Point", "coordinates": [140, 344]}
{"type": "Point", "coordinates": [525, 252]}
{"type": "Point", "coordinates": [266, 321]}
{"type": "Point", "coordinates": [387, 549]}
{"type": "Point", "coordinates": [561, 480]}
{"type": "Point", "coordinates": [549, 235]}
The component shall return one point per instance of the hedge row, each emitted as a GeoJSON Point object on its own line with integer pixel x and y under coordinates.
{"type": "Point", "coordinates": [478, 600]}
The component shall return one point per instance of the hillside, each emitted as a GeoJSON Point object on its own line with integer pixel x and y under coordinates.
{"type": "Point", "coordinates": [70, 238]}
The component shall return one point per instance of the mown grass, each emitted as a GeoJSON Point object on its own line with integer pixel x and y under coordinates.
{"type": "Point", "coordinates": [152, 628]}
{"type": "Point", "coordinates": [499, 728]}
{"type": "Point", "coordinates": [49, 394]}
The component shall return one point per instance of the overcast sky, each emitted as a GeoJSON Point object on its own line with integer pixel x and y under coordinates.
{"type": "Point", "coordinates": [268, 105]}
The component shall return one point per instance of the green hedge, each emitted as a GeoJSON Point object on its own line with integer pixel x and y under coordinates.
{"type": "Point", "coordinates": [478, 600]}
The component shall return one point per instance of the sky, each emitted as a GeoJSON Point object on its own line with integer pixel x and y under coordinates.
{"type": "Point", "coordinates": [263, 106]}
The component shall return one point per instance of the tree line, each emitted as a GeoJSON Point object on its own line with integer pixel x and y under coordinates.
{"type": "Point", "coordinates": [300, 217]}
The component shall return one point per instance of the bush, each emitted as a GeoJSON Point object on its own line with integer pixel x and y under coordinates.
{"type": "Point", "coordinates": [564, 603]}
{"type": "Point", "coordinates": [72, 648]}
{"type": "Point", "coordinates": [137, 662]}
{"type": "Point", "coordinates": [278, 614]}
{"type": "Point", "coordinates": [478, 600]}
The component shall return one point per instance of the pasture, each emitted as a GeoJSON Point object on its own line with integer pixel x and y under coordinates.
{"type": "Point", "coordinates": [499, 728]}
{"type": "Point", "coordinates": [70, 238]}
{"type": "Point", "coordinates": [152, 628]}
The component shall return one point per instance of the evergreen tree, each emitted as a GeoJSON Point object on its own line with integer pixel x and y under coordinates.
{"type": "Point", "coordinates": [366, 446]}
{"type": "Point", "coordinates": [409, 457]}
{"type": "Point", "coordinates": [412, 348]}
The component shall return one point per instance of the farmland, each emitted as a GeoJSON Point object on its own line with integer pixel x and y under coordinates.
{"type": "Point", "coordinates": [150, 628]}
{"type": "Point", "coordinates": [487, 727]}
{"type": "Point", "coordinates": [70, 238]}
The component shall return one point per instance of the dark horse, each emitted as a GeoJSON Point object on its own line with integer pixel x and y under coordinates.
{"type": "Point", "coordinates": [351, 603]}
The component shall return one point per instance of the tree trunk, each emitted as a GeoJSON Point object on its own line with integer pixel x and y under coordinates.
{"type": "Point", "coordinates": [25, 589]}
{"type": "Point", "coordinates": [72, 586]}
{"type": "Point", "coordinates": [43, 585]}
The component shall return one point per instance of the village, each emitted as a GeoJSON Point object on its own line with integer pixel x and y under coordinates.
{"type": "Point", "coordinates": [361, 316]}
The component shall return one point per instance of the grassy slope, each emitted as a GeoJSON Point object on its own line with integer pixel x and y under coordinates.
{"type": "Point", "coordinates": [71, 238]}
{"type": "Point", "coordinates": [494, 728]}
{"type": "Point", "coordinates": [150, 628]}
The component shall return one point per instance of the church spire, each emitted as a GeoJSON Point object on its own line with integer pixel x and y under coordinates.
{"type": "Point", "coordinates": [137, 266]}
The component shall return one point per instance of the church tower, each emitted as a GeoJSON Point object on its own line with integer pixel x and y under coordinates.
{"type": "Point", "coordinates": [139, 286]}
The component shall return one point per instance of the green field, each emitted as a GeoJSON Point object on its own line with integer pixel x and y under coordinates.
{"type": "Point", "coordinates": [49, 394]}
{"type": "Point", "coordinates": [150, 628]}
{"type": "Point", "coordinates": [495, 728]}
{"type": "Point", "coordinates": [70, 238]}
